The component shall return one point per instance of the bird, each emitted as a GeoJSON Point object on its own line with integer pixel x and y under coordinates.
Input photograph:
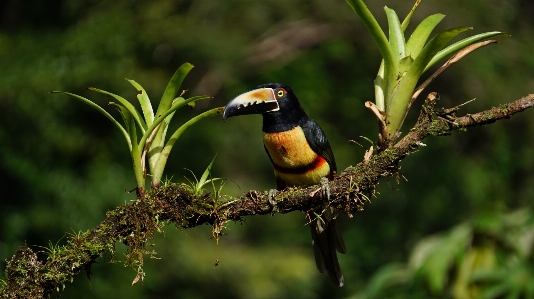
{"type": "Point", "coordinates": [301, 156]}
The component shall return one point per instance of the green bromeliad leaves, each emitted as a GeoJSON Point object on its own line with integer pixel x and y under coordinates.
{"type": "Point", "coordinates": [430, 50]}
{"type": "Point", "coordinates": [460, 45]}
{"type": "Point", "coordinates": [396, 36]}
{"type": "Point", "coordinates": [397, 102]}
{"type": "Point", "coordinates": [153, 127]}
{"type": "Point", "coordinates": [135, 114]}
{"type": "Point", "coordinates": [167, 101]}
{"type": "Point", "coordinates": [129, 121]}
{"type": "Point", "coordinates": [173, 87]}
{"type": "Point", "coordinates": [144, 101]}
{"type": "Point", "coordinates": [159, 165]}
{"type": "Point", "coordinates": [101, 110]}
{"type": "Point", "coordinates": [408, 18]}
{"type": "Point", "coordinates": [404, 62]}
{"type": "Point", "coordinates": [158, 155]}
{"type": "Point", "coordinates": [420, 35]}
{"type": "Point", "coordinates": [389, 70]}
{"type": "Point", "coordinates": [175, 106]}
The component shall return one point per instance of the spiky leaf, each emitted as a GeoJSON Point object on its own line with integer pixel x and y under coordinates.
{"type": "Point", "coordinates": [460, 45]}
{"type": "Point", "coordinates": [127, 105]}
{"type": "Point", "coordinates": [173, 87]}
{"type": "Point", "coordinates": [162, 160]}
{"type": "Point", "coordinates": [408, 18]}
{"type": "Point", "coordinates": [101, 110]}
{"type": "Point", "coordinates": [144, 101]}
{"type": "Point", "coordinates": [420, 35]}
{"type": "Point", "coordinates": [396, 35]}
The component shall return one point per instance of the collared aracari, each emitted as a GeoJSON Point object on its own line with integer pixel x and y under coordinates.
{"type": "Point", "coordinates": [301, 156]}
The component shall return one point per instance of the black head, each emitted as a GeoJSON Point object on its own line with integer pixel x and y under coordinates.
{"type": "Point", "coordinates": [277, 103]}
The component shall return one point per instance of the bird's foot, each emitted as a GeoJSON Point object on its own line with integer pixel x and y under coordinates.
{"type": "Point", "coordinates": [272, 201]}
{"type": "Point", "coordinates": [325, 188]}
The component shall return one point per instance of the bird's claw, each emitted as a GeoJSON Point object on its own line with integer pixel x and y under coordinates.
{"type": "Point", "coordinates": [325, 188]}
{"type": "Point", "coordinates": [272, 201]}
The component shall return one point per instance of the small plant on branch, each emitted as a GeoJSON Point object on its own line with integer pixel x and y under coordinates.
{"type": "Point", "coordinates": [404, 62]}
{"type": "Point", "coordinates": [150, 144]}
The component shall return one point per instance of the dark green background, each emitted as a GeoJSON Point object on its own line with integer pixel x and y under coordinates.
{"type": "Point", "coordinates": [63, 165]}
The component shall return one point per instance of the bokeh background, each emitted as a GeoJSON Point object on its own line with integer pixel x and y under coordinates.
{"type": "Point", "coordinates": [63, 165]}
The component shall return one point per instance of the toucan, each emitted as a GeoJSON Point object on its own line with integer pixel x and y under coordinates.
{"type": "Point", "coordinates": [301, 156]}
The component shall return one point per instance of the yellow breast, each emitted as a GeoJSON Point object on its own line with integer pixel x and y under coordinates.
{"type": "Point", "coordinates": [289, 149]}
{"type": "Point", "coordinates": [294, 160]}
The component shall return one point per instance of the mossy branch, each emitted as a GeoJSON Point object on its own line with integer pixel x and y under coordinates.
{"type": "Point", "coordinates": [135, 223]}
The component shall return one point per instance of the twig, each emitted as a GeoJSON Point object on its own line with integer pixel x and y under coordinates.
{"type": "Point", "coordinates": [380, 115]}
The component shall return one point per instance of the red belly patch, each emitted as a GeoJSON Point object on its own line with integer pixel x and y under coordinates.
{"type": "Point", "coordinates": [317, 163]}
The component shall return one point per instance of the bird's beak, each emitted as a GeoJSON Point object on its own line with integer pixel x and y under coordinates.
{"type": "Point", "coordinates": [256, 101]}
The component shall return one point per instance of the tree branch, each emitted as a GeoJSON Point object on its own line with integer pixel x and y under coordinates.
{"type": "Point", "coordinates": [135, 223]}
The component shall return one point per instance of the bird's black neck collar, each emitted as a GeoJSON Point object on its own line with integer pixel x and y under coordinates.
{"type": "Point", "coordinates": [283, 120]}
{"type": "Point", "coordinates": [289, 115]}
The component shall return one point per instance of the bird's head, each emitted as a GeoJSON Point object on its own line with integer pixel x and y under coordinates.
{"type": "Point", "coordinates": [267, 99]}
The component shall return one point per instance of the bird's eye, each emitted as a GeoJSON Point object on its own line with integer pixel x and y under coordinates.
{"type": "Point", "coordinates": [280, 93]}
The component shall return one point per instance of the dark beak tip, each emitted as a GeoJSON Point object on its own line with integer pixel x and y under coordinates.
{"type": "Point", "coordinates": [226, 114]}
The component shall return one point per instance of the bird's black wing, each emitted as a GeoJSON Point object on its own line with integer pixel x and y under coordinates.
{"type": "Point", "coordinates": [325, 235]}
{"type": "Point", "coordinates": [319, 143]}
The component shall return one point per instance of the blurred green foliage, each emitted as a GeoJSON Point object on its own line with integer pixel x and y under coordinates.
{"type": "Point", "coordinates": [63, 165]}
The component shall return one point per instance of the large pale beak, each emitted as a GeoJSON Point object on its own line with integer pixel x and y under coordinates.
{"type": "Point", "coordinates": [256, 101]}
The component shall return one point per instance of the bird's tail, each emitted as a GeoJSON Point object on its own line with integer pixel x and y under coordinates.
{"type": "Point", "coordinates": [326, 240]}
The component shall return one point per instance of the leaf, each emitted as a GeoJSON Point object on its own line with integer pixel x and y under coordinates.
{"type": "Point", "coordinates": [396, 35]}
{"type": "Point", "coordinates": [138, 162]}
{"type": "Point", "coordinates": [157, 172]}
{"type": "Point", "coordinates": [194, 176]}
{"type": "Point", "coordinates": [406, 21]}
{"type": "Point", "coordinates": [146, 106]}
{"type": "Point", "coordinates": [433, 47]}
{"type": "Point", "coordinates": [477, 259]}
{"type": "Point", "coordinates": [404, 64]}
{"type": "Point", "coordinates": [198, 185]}
{"type": "Point", "coordinates": [101, 110]}
{"type": "Point", "coordinates": [191, 100]}
{"type": "Point", "coordinates": [204, 179]}
{"type": "Point", "coordinates": [440, 258]}
{"type": "Point", "coordinates": [460, 45]}
{"type": "Point", "coordinates": [397, 102]}
{"type": "Point", "coordinates": [390, 70]}
{"type": "Point", "coordinates": [127, 105]}
{"type": "Point", "coordinates": [177, 105]}
{"type": "Point", "coordinates": [417, 40]}
{"type": "Point", "coordinates": [158, 140]}
{"type": "Point", "coordinates": [126, 117]}
{"type": "Point", "coordinates": [454, 59]}
{"type": "Point", "coordinates": [167, 101]}
{"type": "Point", "coordinates": [495, 291]}
{"type": "Point", "coordinates": [171, 91]}
{"type": "Point", "coordinates": [489, 276]}
{"type": "Point", "coordinates": [213, 180]}
{"type": "Point", "coordinates": [387, 277]}
{"type": "Point", "coordinates": [380, 87]}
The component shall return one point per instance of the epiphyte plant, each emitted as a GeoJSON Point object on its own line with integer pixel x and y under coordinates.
{"type": "Point", "coordinates": [150, 144]}
{"type": "Point", "coordinates": [404, 62]}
